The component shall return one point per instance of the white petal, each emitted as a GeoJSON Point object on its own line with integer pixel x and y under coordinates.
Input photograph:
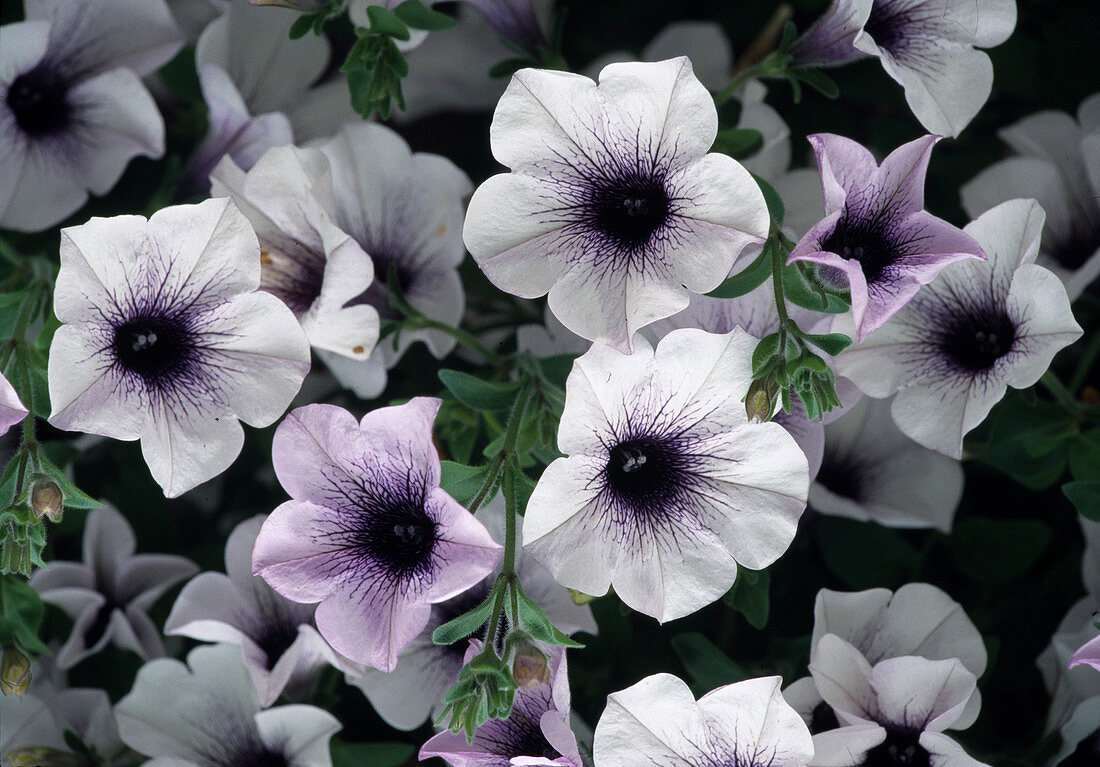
{"type": "Point", "coordinates": [185, 449]}
{"type": "Point", "coordinates": [657, 718]}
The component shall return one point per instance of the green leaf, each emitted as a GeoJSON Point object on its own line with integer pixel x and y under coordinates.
{"type": "Point", "coordinates": [382, 754]}
{"type": "Point", "coordinates": [864, 554]}
{"type": "Point", "coordinates": [1084, 456]}
{"type": "Point", "coordinates": [749, 596]}
{"type": "Point", "coordinates": [816, 79]}
{"type": "Point", "coordinates": [557, 367]}
{"type": "Point", "coordinates": [386, 22]}
{"type": "Point", "coordinates": [749, 278]}
{"type": "Point", "coordinates": [467, 623]}
{"type": "Point", "coordinates": [536, 623]}
{"type": "Point", "coordinates": [707, 666]}
{"type": "Point", "coordinates": [1085, 497]}
{"type": "Point", "coordinates": [765, 351]}
{"type": "Point", "coordinates": [830, 343]}
{"type": "Point", "coordinates": [478, 394]}
{"type": "Point", "coordinates": [418, 16]}
{"type": "Point", "coordinates": [508, 67]}
{"type": "Point", "coordinates": [461, 482]}
{"type": "Point", "coordinates": [21, 604]}
{"type": "Point", "coordinates": [997, 550]}
{"type": "Point", "coordinates": [772, 198]}
{"type": "Point", "coordinates": [302, 26]}
{"type": "Point", "coordinates": [738, 143]}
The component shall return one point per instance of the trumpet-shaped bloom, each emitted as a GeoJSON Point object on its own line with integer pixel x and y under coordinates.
{"type": "Point", "coordinates": [281, 647]}
{"type": "Point", "coordinates": [407, 696]}
{"type": "Point", "coordinates": [205, 714]}
{"type": "Point", "coordinates": [982, 326]}
{"type": "Point", "coordinates": [314, 267]}
{"type": "Point", "coordinates": [109, 593]}
{"type": "Point", "coordinates": [1057, 163]}
{"type": "Point", "coordinates": [927, 46]}
{"type": "Point", "coordinates": [1088, 654]}
{"type": "Point", "coordinates": [658, 721]}
{"type": "Point", "coordinates": [12, 410]}
{"type": "Point", "coordinates": [666, 486]}
{"type": "Point", "coordinates": [892, 712]}
{"type": "Point", "coordinates": [536, 732]}
{"type": "Point", "coordinates": [73, 109]}
{"type": "Point", "coordinates": [369, 534]}
{"type": "Point", "coordinates": [871, 471]}
{"type": "Point", "coordinates": [876, 238]}
{"type": "Point", "coordinates": [613, 206]}
{"type": "Point", "coordinates": [166, 339]}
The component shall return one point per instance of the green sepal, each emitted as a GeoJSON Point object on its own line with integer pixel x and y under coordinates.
{"type": "Point", "coordinates": [749, 278]}
{"type": "Point", "coordinates": [418, 16]}
{"type": "Point", "coordinates": [469, 622]}
{"type": "Point", "coordinates": [738, 143]}
{"type": "Point", "coordinates": [749, 596]}
{"type": "Point", "coordinates": [386, 22]}
{"type": "Point", "coordinates": [535, 622]}
{"type": "Point", "coordinates": [1085, 497]}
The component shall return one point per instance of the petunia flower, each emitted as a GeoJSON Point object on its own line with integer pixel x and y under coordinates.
{"type": "Point", "coordinates": [305, 260]}
{"type": "Point", "coordinates": [876, 239]}
{"type": "Point", "coordinates": [34, 727]}
{"type": "Point", "coordinates": [871, 471]}
{"type": "Point", "coordinates": [536, 732]}
{"type": "Point", "coordinates": [982, 326]}
{"type": "Point", "coordinates": [369, 533]}
{"type": "Point", "coordinates": [895, 710]}
{"type": "Point", "coordinates": [407, 696]}
{"type": "Point", "coordinates": [613, 205]}
{"type": "Point", "coordinates": [166, 339]}
{"type": "Point", "coordinates": [279, 641]}
{"type": "Point", "coordinates": [658, 721]}
{"type": "Point", "coordinates": [205, 714]}
{"type": "Point", "coordinates": [1058, 163]}
{"type": "Point", "coordinates": [109, 593]}
{"type": "Point", "coordinates": [927, 46]}
{"type": "Point", "coordinates": [404, 209]}
{"type": "Point", "coordinates": [1087, 654]}
{"type": "Point", "coordinates": [12, 411]}
{"type": "Point", "coordinates": [666, 486]}
{"type": "Point", "coordinates": [73, 110]}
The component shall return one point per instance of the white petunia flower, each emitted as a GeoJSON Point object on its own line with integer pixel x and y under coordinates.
{"type": "Point", "coordinates": [404, 209]}
{"type": "Point", "coordinates": [613, 205]}
{"type": "Point", "coordinates": [658, 721]}
{"type": "Point", "coordinates": [894, 711]}
{"type": "Point", "coordinates": [205, 714]}
{"type": "Point", "coordinates": [408, 695]}
{"type": "Point", "coordinates": [73, 109]}
{"type": "Point", "coordinates": [305, 260]}
{"type": "Point", "coordinates": [982, 326]}
{"type": "Point", "coordinates": [281, 647]}
{"type": "Point", "coordinates": [166, 338]}
{"type": "Point", "coordinates": [666, 486]}
{"type": "Point", "coordinates": [871, 471]}
{"type": "Point", "coordinates": [1057, 163]}
{"type": "Point", "coordinates": [34, 727]}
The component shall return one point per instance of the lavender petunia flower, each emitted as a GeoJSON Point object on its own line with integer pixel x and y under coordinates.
{"type": "Point", "coordinates": [12, 410]}
{"type": "Point", "coordinates": [876, 239]}
{"type": "Point", "coordinates": [927, 46]}
{"type": "Point", "coordinates": [658, 721]}
{"type": "Point", "coordinates": [1087, 654]}
{"type": "Point", "coordinates": [666, 486]}
{"type": "Point", "coordinates": [535, 734]}
{"type": "Point", "coordinates": [282, 649]}
{"type": "Point", "coordinates": [107, 595]}
{"type": "Point", "coordinates": [369, 534]}
{"type": "Point", "coordinates": [73, 110]}
{"type": "Point", "coordinates": [1057, 163]}
{"type": "Point", "coordinates": [404, 209]}
{"type": "Point", "coordinates": [407, 696]}
{"type": "Point", "coordinates": [167, 340]}
{"type": "Point", "coordinates": [205, 714]}
{"type": "Point", "coordinates": [982, 326]}
{"type": "Point", "coordinates": [892, 711]}
{"type": "Point", "coordinates": [613, 205]}
{"type": "Point", "coordinates": [871, 471]}
{"type": "Point", "coordinates": [305, 260]}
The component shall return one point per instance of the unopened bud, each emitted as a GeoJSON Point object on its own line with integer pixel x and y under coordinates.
{"type": "Point", "coordinates": [15, 671]}
{"type": "Point", "coordinates": [44, 756]}
{"type": "Point", "coordinates": [760, 400]}
{"type": "Point", "coordinates": [529, 666]}
{"type": "Point", "coordinates": [47, 500]}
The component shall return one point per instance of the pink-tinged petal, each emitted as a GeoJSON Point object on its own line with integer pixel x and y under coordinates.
{"type": "Point", "coordinates": [311, 444]}
{"type": "Point", "coordinates": [369, 626]}
{"type": "Point", "coordinates": [465, 550]}
{"type": "Point", "coordinates": [11, 409]}
{"type": "Point", "coordinates": [289, 556]}
{"type": "Point", "coordinates": [405, 430]}
{"type": "Point", "coordinates": [1088, 654]}
{"type": "Point", "coordinates": [845, 165]}
{"type": "Point", "coordinates": [828, 42]}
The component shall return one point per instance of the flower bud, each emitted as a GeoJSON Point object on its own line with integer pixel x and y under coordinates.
{"type": "Point", "coordinates": [529, 666]}
{"type": "Point", "coordinates": [760, 400]}
{"type": "Point", "coordinates": [47, 499]}
{"type": "Point", "coordinates": [15, 671]}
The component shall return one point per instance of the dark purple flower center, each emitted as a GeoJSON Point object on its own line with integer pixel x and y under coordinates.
{"type": "Point", "coordinates": [630, 210]}
{"type": "Point", "coordinates": [154, 348]}
{"type": "Point", "coordinates": [1077, 247]}
{"type": "Point", "coordinates": [99, 625]}
{"type": "Point", "coordinates": [39, 101]}
{"type": "Point", "coordinates": [398, 534]}
{"type": "Point", "coordinates": [823, 719]}
{"type": "Point", "coordinates": [901, 748]}
{"type": "Point", "coordinates": [1087, 753]}
{"type": "Point", "coordinates": [865, 240]}
{"type": "Point", "coordinates": [385, 262]}
{"type": "Point", "coordinates": [642, 471]}
{"type": "Point", "coordinates": [275, 636]}
{"type": "Point", "coordinates": [841, 477]}
{"type": "Point", "coordinates": [978, 337]}
{"type": "Point", "coordinates": [294, 278]}
{"type": "Point", "coordinates": [263, 758]}
{"type": "Point", "coordinates": [521, 733]}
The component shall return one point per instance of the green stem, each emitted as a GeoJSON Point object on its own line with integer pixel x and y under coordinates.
{"type": "Point", "coordinates": [490, 480]}
{"type": "Point", "coordinates": [762, 69]}
{"type": "Point", "coordinates": [1084, 366]}
{"type": "Point", "coordinates": [1060, 392]}
{"type": "Point", "coordinates": [780, 299]}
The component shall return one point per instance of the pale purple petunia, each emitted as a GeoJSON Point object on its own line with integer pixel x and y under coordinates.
{"type": "Point", "coordinates": [109, 593]}
{"type": "Point", "coordinates": [1088, 654]}
{"type": "Point", "coordinates": [12, 410]}
{"type": "Point", "coordinates": [281, 646]}
{"type": "Point", "coordinates": [613, 206]}
{"type": "Point", "coordinates": [166, 338]}
{"type": "Point", "coordinates": [536, 733]}
{"type": "Point", "coordinates": [876, 239]}
{"type": "Point", "coordinates": [369, 534]}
